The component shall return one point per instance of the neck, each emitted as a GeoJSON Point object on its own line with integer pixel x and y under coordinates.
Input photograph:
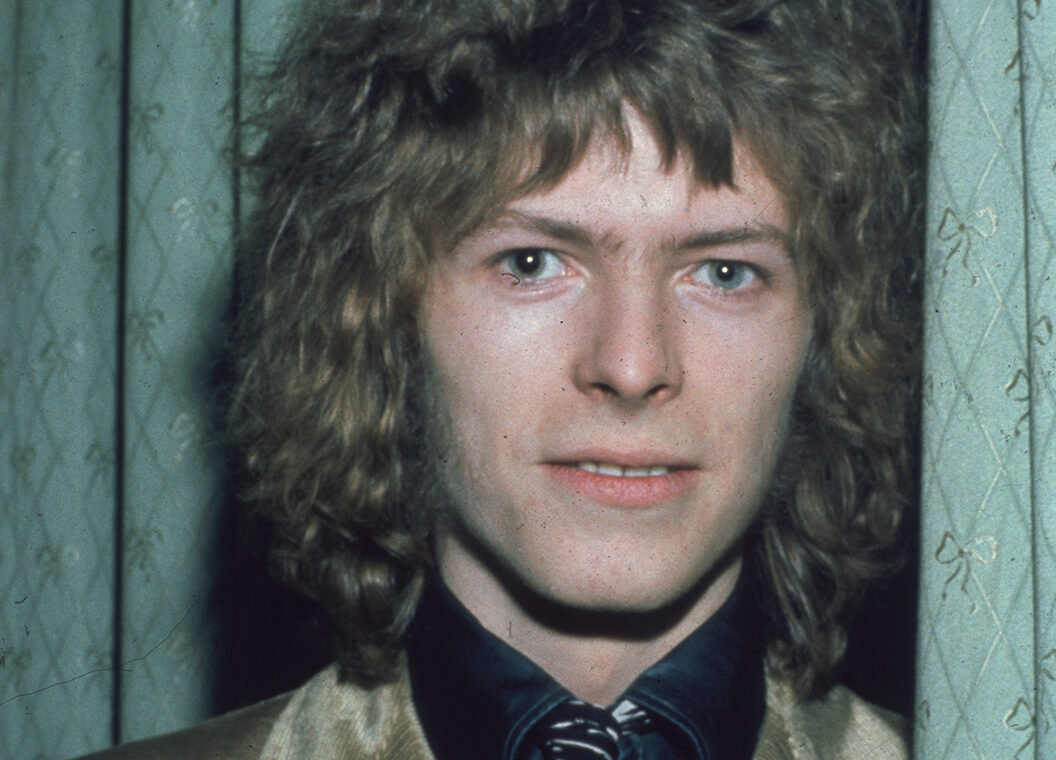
{"type": "Point", "coordinates": [595, 655]}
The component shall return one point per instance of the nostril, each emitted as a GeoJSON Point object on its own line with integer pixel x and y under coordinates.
{"type": "Point", "coordinates": [629, 351]}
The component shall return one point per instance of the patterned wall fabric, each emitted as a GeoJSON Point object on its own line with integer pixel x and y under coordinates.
{"type": "Point", "coordinates": [1038, 61]}
{"type": "Point", "coordinates": [178, 265]}
{"type": "Point", "coordinates": [67, 273]}
{"type": "Point", "coordinates": [987, 649]}
{"type": "Point", "coordinates": [57, 372]}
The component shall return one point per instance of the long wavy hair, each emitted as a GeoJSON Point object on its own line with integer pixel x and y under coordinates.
{"type": "Point", "coordinates": [388, 129]}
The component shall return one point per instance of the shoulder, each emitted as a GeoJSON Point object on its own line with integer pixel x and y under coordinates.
{"type": "Point", "coordinates": [325, 718]}
{"type": "Point", "coordinates": [837, 726]}
{"type": "Point", "coordinates": [234, 736]}
{"type": "Point", "coordinates": [328, 718]}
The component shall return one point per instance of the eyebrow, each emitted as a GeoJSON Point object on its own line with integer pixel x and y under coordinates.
{"type": "Point", "coordinates": [554, 228]}
{"type": "Point", "coordinates": [754, 232]}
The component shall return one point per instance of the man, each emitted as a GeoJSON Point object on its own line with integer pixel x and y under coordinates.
{"type": "Point", "coordinates": [575, 352]}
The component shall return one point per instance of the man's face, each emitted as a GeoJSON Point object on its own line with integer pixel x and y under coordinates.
{"type": "Point", "coordinates": [615, 361]}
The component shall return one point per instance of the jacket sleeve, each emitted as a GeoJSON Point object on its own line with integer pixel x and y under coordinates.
{"type": "Point", "coordinates": [837, 726]}
{"type": "Point", "coordinates": [239, 735]}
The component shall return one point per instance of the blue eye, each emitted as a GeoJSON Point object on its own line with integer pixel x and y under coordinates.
{"type": "Point", "coordinates": [726, 275]}
{"type": "Point", "coordinates": [532, 264]}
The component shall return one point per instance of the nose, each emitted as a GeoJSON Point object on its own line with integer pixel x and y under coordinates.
{"type": "Point", "coordinates": [629, 352]}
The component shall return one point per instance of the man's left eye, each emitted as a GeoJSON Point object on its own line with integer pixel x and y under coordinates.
{"type": "Point", "coordinates": [726, 275]}
{"type": "Point", "coordinates": [532, 264]}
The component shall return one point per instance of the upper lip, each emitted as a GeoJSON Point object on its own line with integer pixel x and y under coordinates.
{"type": "Point", "coordinates": [637, 457]}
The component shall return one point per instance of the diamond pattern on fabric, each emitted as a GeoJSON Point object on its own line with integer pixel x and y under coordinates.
{"type": "Point", "coordinates": [60, 131]}
{"type": "Point", "coordinates": [987, 393]}
{"type": "Point", "coordinates": [1038, 64]}
{"type": "Point", "coordinates": [61, 128]}
{"type": "Point", "coordinates": [179, 263]}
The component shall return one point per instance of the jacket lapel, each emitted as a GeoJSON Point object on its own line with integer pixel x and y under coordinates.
{"type": "Point", "coordinates": [329, 720]}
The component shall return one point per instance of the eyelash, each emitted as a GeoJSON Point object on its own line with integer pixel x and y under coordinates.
{"type": "Point", "coordinates": [549, 258]}
{"type": "Point", "coordinates": [506, 262]}
{"type": "Point", "coordinates": [741, 269]}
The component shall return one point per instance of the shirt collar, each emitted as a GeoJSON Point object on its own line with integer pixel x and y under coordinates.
{"type": "Point", "coordinates": [711, 686]}
{"type": "Point", "coordinates": [476, 696]}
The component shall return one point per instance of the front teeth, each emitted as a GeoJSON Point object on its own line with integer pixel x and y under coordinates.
{"type": "Point", "coordinates": [614, 470]}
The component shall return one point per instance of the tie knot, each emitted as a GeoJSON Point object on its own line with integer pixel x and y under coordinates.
{"type": "Point", "coordinates": [577, 730]}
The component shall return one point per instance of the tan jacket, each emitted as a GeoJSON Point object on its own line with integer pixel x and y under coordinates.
{"type": "Point", "coordinates": [326, 720]}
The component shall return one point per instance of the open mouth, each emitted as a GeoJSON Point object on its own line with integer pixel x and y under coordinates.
{"type": "Point", "coordinates": [617, 471]}
{"type": "Point", "coordinates": [640, 485]}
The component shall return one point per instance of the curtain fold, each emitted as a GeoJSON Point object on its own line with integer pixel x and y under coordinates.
{"type": "Point", "coordinates": [985, 647]}
{"type": "Point", "coordinates": [118, 208]}
{"type": "Point", "coordinates": [179, 215]}
{"type": "Point", "coordinates": [1038, 69]}
{"type": "Point", "coordinates": [61, 125]}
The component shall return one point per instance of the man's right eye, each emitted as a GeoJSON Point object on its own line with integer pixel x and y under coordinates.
{"type": "Point", "coordinates": [532, 264]}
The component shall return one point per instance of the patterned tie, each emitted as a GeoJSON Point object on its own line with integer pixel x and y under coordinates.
{"type": "Point", "coordinates": [576, 730]}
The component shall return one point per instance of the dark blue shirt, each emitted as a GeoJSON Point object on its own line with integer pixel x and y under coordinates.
{"type": "Point", "coordinates": [478, 697]}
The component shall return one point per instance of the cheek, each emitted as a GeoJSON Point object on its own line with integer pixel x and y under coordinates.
{"type": "Point", "coordinates": [746, 394]}
{"type": "Point", "coordinates": [497, 373]}
{"type": "Point", "coordinates": [477, 425]}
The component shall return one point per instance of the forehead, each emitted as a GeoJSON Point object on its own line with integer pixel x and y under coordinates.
{"type": "Point", "coordinates": [631, 184]}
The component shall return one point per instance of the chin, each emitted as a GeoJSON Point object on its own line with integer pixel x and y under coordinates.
{"type": "Point", "coordinates": [610, 595]}
{"type": "Point", "coordinates": [570, 580]}
{"type": "Point", "coordinates": [659, 593]}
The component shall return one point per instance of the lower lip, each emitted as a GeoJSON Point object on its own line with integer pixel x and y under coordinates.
{"type": "Point", "coordinates": [619, 491]}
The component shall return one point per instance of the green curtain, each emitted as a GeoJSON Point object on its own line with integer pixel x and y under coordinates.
{"type": "Point", "coordinates": [57, 372]}
{"type": "Point", "coordinates": [986, 655]}
{"type": "Point", "coordinates": [118, 215]}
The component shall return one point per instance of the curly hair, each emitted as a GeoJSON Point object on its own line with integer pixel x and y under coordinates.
{"type": "Point", "coordinates": [391, 128]}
